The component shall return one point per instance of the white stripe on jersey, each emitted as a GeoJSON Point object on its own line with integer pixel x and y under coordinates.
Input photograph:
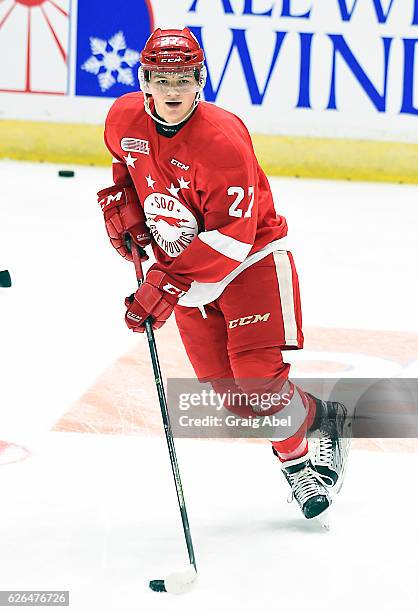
{"type": "Point", "coordinates": [285, 280]}
{"type": "Point", "coordinates": [234, 249]}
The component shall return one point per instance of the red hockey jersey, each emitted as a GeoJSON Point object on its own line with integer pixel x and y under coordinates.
{"type": "Point", "coordinates": [207, 202]}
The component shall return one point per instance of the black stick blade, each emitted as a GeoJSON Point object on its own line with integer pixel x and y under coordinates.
{"type": "Point", "coordinates": [158, 586]}
{"type": "Point", "coordinates": [5, 280]}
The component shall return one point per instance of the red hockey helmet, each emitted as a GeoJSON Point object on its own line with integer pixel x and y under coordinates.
{"type": "Point", "coordinates": [172, 50]}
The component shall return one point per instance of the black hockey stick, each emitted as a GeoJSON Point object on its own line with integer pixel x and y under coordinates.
{"type": "Point", "coordinates": [183, 581]}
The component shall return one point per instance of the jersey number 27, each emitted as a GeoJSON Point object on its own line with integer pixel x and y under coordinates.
{"type": "Point", "coordinates": [239, 192]}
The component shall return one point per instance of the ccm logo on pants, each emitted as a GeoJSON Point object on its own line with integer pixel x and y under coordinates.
{"type": "Point", "coordinates": [257, 318]}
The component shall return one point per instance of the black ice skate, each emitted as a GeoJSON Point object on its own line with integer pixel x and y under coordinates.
{"type": "Point", "coordinates": [330, 442]}
{"type": "Point", "coordinates": [308, 486]}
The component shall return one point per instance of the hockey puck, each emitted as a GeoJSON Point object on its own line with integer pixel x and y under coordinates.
{"type": "Point", "coordinates": [158, 586]}
{"type": "Point", "coordinates": [5, 280]}
{"type": "Point", "coordinates": [66, 173]}
{"type": "Point", "coordinates": [176, 583]}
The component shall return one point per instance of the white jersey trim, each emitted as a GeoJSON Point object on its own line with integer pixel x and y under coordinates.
{"type": "Point", "coordinates": [200, 294]}
{"type": "Point", "coordinates": [230, 247]}
{"type": "Point", "coordinates": [285, 280]}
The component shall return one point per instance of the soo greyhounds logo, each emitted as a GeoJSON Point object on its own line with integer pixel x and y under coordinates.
{"type": "Point", "coordinates": [172, 225]}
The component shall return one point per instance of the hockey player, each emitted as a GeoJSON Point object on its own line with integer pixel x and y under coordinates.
{"type": "Point", "coordinates": [187, 182]}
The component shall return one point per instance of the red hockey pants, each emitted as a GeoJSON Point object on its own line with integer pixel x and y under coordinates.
{"type": "Point", "coordinates": [242, 334]}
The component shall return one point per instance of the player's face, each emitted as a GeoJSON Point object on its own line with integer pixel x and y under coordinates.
{"type": "Point", "coordinates": [173, 94]}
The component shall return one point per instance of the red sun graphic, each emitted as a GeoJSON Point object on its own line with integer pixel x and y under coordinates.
{"type": "Point", "coordinates": [47, 9]}
{"type": "Point", "coordinates": [30, 2]}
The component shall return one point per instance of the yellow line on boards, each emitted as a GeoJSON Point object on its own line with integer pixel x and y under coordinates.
{"type": "Point", "coordinates": [279, 155]}
{"type": "Point", "coordinates": [359, 160]}
{"type": "Point", "coordinates": [53, 142]}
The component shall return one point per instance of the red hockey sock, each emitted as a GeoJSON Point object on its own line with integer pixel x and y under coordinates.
{"type": "Point", "coordinates": [297, 445]}
{"type": "Point", "coordinates": [286, 449]}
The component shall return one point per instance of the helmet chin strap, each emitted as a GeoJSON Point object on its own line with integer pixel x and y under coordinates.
{"type": "Point", "coordinates": [165, 123]}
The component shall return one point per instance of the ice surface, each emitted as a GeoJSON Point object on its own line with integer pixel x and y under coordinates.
{"type": "Point", "coordinates": [97, 514]}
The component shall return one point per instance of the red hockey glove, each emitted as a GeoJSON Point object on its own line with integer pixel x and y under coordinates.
{"type": "Point", "coordinates": [123, 214]}
{"type": "Point", "coordinates": [156, 298]}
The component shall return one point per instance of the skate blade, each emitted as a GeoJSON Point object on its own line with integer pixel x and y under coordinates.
{"type": "Point", "coordinates": [324, 520]}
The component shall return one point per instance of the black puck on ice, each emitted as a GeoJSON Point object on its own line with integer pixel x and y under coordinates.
{"type": "Point", "coordinates": [5, 280]}
{"type": "Point", "coordinates": [66, 173]}
{"type": "Point", "coordinates": [158, 586]}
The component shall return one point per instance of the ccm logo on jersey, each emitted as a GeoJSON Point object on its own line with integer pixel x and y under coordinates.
{"type": "Point", "coordinates": [109, 199]}
{"type": "Point", "coordinates": [175, 162]}
{"type": "Point", "coordinates": [169, 288]}
{"type": "Point", "coordinates": [257, 318]}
